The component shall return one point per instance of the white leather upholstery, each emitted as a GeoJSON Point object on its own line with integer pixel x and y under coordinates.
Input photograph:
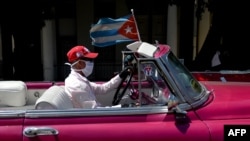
{"type": "Point", "coordinates": [54, 98]}
{"type": "Point", "coordinates": [13, 93]}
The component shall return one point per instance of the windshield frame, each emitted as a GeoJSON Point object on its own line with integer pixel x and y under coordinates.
{"type": "Point", "coordinates": [198, 93]}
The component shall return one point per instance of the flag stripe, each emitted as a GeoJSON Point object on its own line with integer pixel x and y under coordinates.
{"type": "Point", "coordinates": [110, 43]}
{"type": "Point", "coordinates": [110, 38]}
{"type": "Point", "coordinates": [110, 20]}
{"type": "Point", "coordinates": [100, 27]}
{"type": "Point", "coordinates": [103, 33]}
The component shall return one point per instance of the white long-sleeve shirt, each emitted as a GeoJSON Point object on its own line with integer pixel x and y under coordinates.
{"type": "Point", "coordinates": [82, 92]}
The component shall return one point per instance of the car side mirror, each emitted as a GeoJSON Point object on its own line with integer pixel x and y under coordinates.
{"type": "Point", "coordinates": [180, 115]}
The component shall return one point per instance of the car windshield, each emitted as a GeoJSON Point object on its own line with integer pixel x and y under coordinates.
{"type": "Point", "coordinates": [183, 78]}
{"type": "Point", "coordinates": [166, 72]}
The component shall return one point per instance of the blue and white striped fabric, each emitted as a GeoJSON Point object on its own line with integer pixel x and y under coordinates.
{"type": "Point", "coordinates": [110, 31]}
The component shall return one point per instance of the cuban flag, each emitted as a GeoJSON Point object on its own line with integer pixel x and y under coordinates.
{"type": "Point", "coordinates": [110, 31]}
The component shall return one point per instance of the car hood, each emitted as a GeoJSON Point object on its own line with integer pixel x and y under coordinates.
{"type": "Point", "coordinates": [230, 100]}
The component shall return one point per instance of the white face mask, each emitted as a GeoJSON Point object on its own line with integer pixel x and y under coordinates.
{"type": "Point", "coordinates": [88, 68]}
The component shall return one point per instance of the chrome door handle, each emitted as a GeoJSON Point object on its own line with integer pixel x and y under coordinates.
{"type": "Point", "coordinates": [38, 131]}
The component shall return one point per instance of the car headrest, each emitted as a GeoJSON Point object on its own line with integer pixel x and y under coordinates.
{"type": "Point", "coordinates": [54, 98]}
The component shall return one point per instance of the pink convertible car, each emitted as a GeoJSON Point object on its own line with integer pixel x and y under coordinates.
{"type": "Point", "coordinates": [160, 100]}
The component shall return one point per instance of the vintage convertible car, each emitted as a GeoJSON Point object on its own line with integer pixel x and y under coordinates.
{"type": "Point", "coordinates": [159, 100]}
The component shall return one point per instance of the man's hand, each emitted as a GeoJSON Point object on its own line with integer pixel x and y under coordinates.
{"type": "Point", "coordinates": [124, 73]}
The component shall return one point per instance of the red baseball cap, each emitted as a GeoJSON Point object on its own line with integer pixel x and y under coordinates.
{"type": "Point", "coordinates": [78, 52]}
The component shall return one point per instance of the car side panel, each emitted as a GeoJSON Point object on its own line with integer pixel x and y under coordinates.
{"type": "Point", "coordinates": [119, 127]}
{"type": "Point", "coordinates": [216, 127]}
{"type": "Point", "coordinates": [11, 128]}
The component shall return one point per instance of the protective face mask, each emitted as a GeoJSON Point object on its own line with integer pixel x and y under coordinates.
{"type": "Point", "coordinates": [88, 68]}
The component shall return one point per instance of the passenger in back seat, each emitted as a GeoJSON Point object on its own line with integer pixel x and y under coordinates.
{"type": "Point", "coordinates": [80, 90]}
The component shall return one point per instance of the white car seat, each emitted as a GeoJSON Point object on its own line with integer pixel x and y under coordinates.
{"type": "Point", "coordinates": [54, 98]}
{"type": "Point", "coordinates": [13, 93]}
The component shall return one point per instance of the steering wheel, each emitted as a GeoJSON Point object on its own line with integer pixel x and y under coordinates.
{"type": "Point", "coordinates": [118, 96]}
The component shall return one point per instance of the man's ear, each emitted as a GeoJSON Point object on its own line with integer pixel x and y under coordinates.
{"type": "Point", "coordinates": [83, 64]}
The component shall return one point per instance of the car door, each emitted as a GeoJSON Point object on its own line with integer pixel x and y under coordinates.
{"type": "Point", "coordinates": [133, 123]}
{"type": "Point", "coordinates": [11, 125]}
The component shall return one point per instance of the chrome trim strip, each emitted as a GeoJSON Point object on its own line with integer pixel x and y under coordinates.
{"type": "Point", "coordinates": [96, 112]}
{"type": "Point", "coordinates": [12, 114]}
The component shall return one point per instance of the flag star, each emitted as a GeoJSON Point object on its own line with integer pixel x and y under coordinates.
{"type": "Point", "coordinates": [128, 29]}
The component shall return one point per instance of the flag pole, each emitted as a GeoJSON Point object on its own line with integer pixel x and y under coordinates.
{"type": "Point", "coordinates": [139, 37]}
